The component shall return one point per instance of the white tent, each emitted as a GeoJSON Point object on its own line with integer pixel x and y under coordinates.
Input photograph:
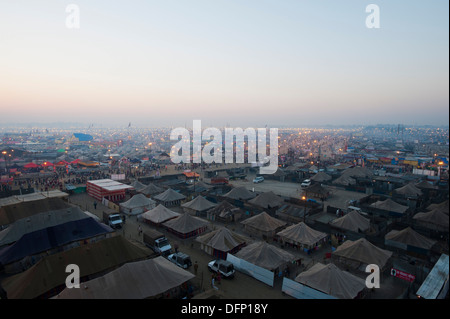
{"type": "Point", "coordinates": [137, 205]}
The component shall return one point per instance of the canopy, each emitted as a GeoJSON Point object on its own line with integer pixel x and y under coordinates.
{"type": "Point", "coordinates": [352, 221]}
{"type": "Point", "coordinates": [265, 255]}
{"type": "Point", "coordinates": [267, 200]}
{"type": "Point", "coordinates": [332, 281]}
{"type": "Point", "coordinates": [136, 280]}
{"type": "Point", "coordinates": [410, 237]}
{"type": "Point", "coordinates": [199, 204]}
{"type": "Point", "coordinates": [301, 233]}
{"type": "Point", "coordinates": [240, 193]}
{"type": "Point", "coordinates": [364, 252]}
{"type": "Point", "coordinates": [159, 214]}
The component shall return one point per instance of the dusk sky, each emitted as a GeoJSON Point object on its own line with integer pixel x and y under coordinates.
{"type": "Point", "coordinates": [246, 63]}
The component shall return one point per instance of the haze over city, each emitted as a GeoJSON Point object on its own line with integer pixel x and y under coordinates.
{"type": "Point", "coordinates": [242, 63]}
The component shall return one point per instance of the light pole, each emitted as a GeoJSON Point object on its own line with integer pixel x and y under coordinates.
{"type": "Point", "coordinates": [304, 213]}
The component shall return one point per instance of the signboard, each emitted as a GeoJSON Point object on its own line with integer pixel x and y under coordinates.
{"type": "Point", "coordinates": [402, 275]}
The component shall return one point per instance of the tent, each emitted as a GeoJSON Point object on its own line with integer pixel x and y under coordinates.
{"type": "Point", "coordinates": [137, 185]}
{"type": "Point", "coordinates": [352, 221]}
{"type": "Point", "coordinates": [263, 225]}
{"type": "Point", "coordinates": [159, 214]}
{"type": "Point", "coordinates": [198, 205]}
{"type": "Point", "coordinates": [225, 212]}
{"type": "Point", "coordinates": [135, 280]}
{"type": "Point", "coordinates": [265, 255]}
{"type": "Point", "coordinates": [136, 205]}
{"type": "Point", "coordinates": [425, 185]}
{"type": "Point", "coordinates": [199, 187]}
{"type": "Point", "coordinates": [321, 177]}
{"type": "Point", "coordinates": [186, 226]}
{"type": "Point", "coordinates": [331, 280]}
{"type": "Point", "coordinates": [240, 193]}
{"type": "Point", "coordinates": [221, 241]}
{"type": "Point", "coordinates": [435, 220]}
{"type": "Point", "coordinates": [443, 207]}
{"type": "Point", "coordinates": [407, 239]}
{"type": "Point", "coordinates": [31, 165]}
{"type": "Point", "coordinates": [151, 189]}
{"type": "Point", "coordinates": [267, 200]}
{"type": "Point", "coordinates": [390, 206]}
{"type": "Point", "coordinates": [52, 237]}
{"type": "Point", "coordinates": [361, 251]}
{"type": "Point", "coordinates": [39, 221]}
{"type": "Point", "coordinates": [302, 235]}
{"type": "Point", "coordinates": [41, 280]}
{"type": "Point", "coordinates": [408, 190]}
{"type": "Point", "coordinates": [169, 198]}
{"type": "Point", "coordinates": [345, 180]}
{"type": "Point", "coordinates": [358, 171]}
{"type": "Point", "coordinates": [316, 191]}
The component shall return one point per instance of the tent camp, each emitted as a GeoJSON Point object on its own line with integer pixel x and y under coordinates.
{"type": "Point", "coordinates": [136, 205]}
{"type": "Point", "coordinates": [186, 226]}
{"type": "Point", "coordinates": [409, 240]}
{"type": "Point", "coordinates": [390, 206]}
{"type": "Point", "coordinates": [321, 177]}
{"type": "Point", "coordinates": [136, 280]}
{"type": "Point", "coordinates": [352, 221]}
{"type": "Point", "coordinates": [39, 221]}
{"type": "Point", "coordinates": [42, 280]}
{"type": "Point", "coordinates": [331, 280]}
{"type": "Point", "coordinates": [240, 193]}
{"type": "Point", "coordinates": [198, 206]}
{"type": "Point", "coordinates": [159, 215]}
{"type": "Point", "coordinates": [225, 212]}
{"type": "Point", "coordinates": [267, 200]}
{"type": "Point", "coordinates": [302, 235]}
{"type": "Point", "coordinates": [169, 198]}
{"type": "Point", "coordinates": [221, 241]}
{"type": "Point", "coordinates": [151, 189]}
{"type": "Point", "coordinates": [263, 225]}
{"type": "Point", "coordinates": [265, 255]}
{"type": "Point", "coordinates": [361, 252]}
{"type": "Point", "coordinates": [434, 220]}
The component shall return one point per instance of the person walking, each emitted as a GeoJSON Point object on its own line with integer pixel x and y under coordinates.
{"type": "Point", "coordinates": [195, 267]}
{"type": "Point", "coordinates": [140, 230]}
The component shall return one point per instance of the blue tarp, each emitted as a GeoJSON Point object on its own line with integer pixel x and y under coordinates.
{"type": "Point", "coordinates": [52, 237]}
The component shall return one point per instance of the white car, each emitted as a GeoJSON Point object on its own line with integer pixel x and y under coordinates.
{"type": "Point", "coordinates": [224, 267]}
{"type": "Point", "coordinates": [258, 179]}
{"type": "Point", "coordinates": [306, 183]}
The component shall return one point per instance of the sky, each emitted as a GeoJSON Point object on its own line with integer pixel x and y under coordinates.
{"type": "Point", "coordinates": [243, 63]}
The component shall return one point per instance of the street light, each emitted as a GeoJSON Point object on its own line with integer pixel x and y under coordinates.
{"type": "Point", "coordinates": [304, 213]}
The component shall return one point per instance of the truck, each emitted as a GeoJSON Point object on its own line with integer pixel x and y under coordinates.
{"type": "Point", "coordinates": [157, 242]}
{"type": "Point", "coordinates": [219, 181]}
{"type": "Point", "coordinates": [113, 220]}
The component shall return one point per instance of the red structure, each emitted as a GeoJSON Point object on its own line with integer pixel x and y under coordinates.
{"type": "Point", "coordinates": [107, 188]}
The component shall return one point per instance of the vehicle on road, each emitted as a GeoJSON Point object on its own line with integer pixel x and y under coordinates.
{"type": "Point", "coordinates": [113, 220]}
{"type": "Point", "coordinates": [225, 268]}
{"type": "Point", "coordinates": [181, 260]}
{"type": "Point", "coordinates": [157, 242]}
{"type": "Point", "coordinates": [258, 179]}
{"type": "Point", "coordinates": [306, 183]}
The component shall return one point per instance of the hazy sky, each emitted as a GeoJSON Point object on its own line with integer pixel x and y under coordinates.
{"type": "Point", "coordinates": [244, 62]}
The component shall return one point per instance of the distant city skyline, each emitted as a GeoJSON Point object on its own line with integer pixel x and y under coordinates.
{"type": "Point", "coordinates": [238, 63]}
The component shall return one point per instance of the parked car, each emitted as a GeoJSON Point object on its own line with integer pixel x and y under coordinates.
{"type": "Point", "coordinates": [258, 179]}
{"type": "Point", "coordinates": [225, 268]}
{"type": "Point", "coordinates": [306, 183]}
{"type": "Point", "coordinates": [181, 260]}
